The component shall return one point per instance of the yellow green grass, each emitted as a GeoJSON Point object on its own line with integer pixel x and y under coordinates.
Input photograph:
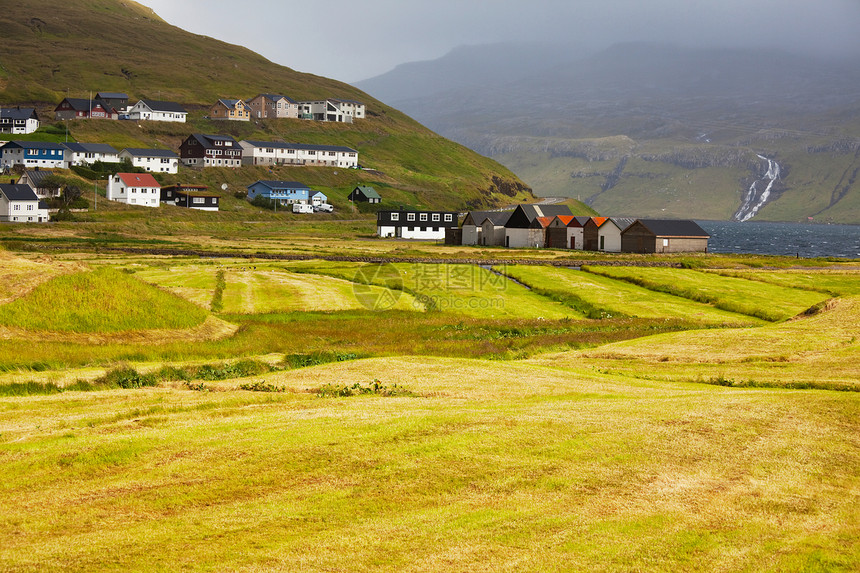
{"type": "Point", "coordinates": [830, 281]}
{"type": "Point", "coordinates": [461, 289]}
{"type": "Point", "coordinates": [753, 298]}
{"type": "Point", "coordinates": [490, 466]}
{"type": "Point", "coordinates": [815, 351]}
{"type": "Point", "coordinates": [104, 300]}
{"type": "Point", "coordinates": [615, 297]}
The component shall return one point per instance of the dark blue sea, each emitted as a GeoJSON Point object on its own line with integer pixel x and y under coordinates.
{"type": "Point", "coordinates": [793, 239]}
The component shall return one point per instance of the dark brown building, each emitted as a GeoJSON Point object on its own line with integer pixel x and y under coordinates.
{"type": "Point", "coordinates": [664, 236]}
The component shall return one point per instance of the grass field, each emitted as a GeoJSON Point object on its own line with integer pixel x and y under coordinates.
{"type": "Point", "coordinates": [616, 297]}
{"type": "Point", "coordinates": [680, 436]}
{"type": "Point", "coordinates": [754, 298]}
{"type": "Point", "coordinates": [487, 467]}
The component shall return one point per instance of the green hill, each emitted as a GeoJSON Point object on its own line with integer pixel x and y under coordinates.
{"type": "Point", "coordinates": [54, 49]}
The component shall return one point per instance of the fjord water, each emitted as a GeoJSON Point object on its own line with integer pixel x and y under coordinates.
{"type": "Point", "coordinates": [792, 239]}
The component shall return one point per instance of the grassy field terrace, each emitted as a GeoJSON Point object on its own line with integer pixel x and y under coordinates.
{"type": "Point", "coordinates": [201, 404]}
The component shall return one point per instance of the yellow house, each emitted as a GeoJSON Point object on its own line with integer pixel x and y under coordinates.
{"type": "Point", "coordinates": [231, 109]}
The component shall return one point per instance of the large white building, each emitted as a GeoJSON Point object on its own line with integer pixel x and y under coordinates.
{"type": "Point", "coordinates": [279, 153]}
{"type": "Point", "coordinates": [338, 110]}
{"type": "Point", "coordinates": [153, 160]}
{"type": "Point", "coordinates": [154, 110]}
{"type": "Point", "coordinates": [134, 189]}
{"type": "Point", "coordinates": [89, 153]}
{"type": "Point", "coordinates": [427, 225]}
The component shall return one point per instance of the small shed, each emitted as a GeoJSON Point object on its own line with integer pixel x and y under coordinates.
{"type": "Point", "coordinates": [664, 236]}
{"type": "Point", "coordinates": [364, 194]}
{"type": "Point", "coordinates": [590, 232]}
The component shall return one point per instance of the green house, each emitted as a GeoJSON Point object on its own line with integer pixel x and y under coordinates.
{"type": "Point", "coordinates": [365, 194]}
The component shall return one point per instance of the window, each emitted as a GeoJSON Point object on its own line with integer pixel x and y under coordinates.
{"type": "Point", "coordinates": [449, 217]}
{"type": "Point", "coordinates": [436, 216]}
{"type": "Point", "coordinates": [395, 216]}
{"type": "Point", "coordinates": [423, 216]}
{"type": "Point", "coordinates": [199, 200]}
{"type": "Point", "coordinates": [410, 216]}
{"type": "Point", "coordinates": [665, 242]}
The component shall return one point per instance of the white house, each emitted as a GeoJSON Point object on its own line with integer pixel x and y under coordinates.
{"type": "Point", "coordinates": [18, 121]}
{"type": "Point", "coordinates": [32, 154]}
{"type": "Point", "coordinates": [337, 110]}
{"type": "Point", "coordinates": [153, 160]}
{"type": "Point", "coordinates": [428, 225]}
{"type": "Point", "coordinates": [134, 189]}
{"type": "Point", "coordinates": [88, 153]}
{"type": "Point", "coordinates": [279, 153]}
{"type": "Point", "coordinates": [154, 110]}
{"type": "Point", "coordinates": [19, 204]}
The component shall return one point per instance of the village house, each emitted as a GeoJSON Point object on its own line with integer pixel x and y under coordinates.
{"type": "Point", "coordinates": [565, 232]}
{"type": "Point", "coordinates": [153, 160]}
{"type": "Point", "coordinates": [154, 110]}
{"type": "Point", "coordinates": [76, 108]}
{"type": "Point", "coordinates": [31, 154]}
{"type": "Point", "coordinates": [18, 121]}
{"type": "Point", "coordinates": [279, 153]}
{"type": "Point", "coordinates": [190, 196]}
{"type": "Point", "coordinates": [200, 150]}
{"type": "Point", "coordinates": [522, 229]}
{"type": "Point", "coordinates": [134, 189]}
{"type": "Point", "coordinates": [558, 232]}
{"type": "Point", "coordinates": [116, 100]}
{"type": "Point", "coordinates": [427, 225]}
{"type": "Point", "coordinates": [89, 153]}
{"type": "Point", "coordinates": [19, 204]}
{"type": "Point", "coordinates": [286, 192]}
{"type": "Point", "coordinates": [39, 181]}
{"type": "Point", "coordinates": [609, 234]}
{"type": "Point", "coordinates": [664, 236]}
{"type": "Point", "coordinates": [589, 233]}
{"type": "Point", "coordinates": [475, 222]}
{"type": "Point", "coordinates": [272, 106]}
{"type": "Point", "coordinates": [364, 194]}
{"type": "Point", "coordinates": [343, 111]}
{"type": "Point", "coordinates": [230, 109]}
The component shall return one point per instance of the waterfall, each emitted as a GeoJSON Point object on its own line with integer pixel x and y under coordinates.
{"type": "Point", "coordinates": [754, 199]}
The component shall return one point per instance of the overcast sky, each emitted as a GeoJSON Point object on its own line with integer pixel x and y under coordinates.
{"type": "Point", "coordinates": [352, 40]}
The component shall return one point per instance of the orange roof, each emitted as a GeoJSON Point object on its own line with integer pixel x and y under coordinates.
{"type": "Point", "coordinates": [565, 219]}
{"type": "Point", "coordinates": [138, 180]}
{"type": "Point", "coordinates": [599, 220]}
{"type": "Point", "coordinates": [544, 221]}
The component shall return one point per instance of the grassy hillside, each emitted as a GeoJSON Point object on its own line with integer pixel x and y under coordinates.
{"type": "Point", "coordinates": [54, 49]}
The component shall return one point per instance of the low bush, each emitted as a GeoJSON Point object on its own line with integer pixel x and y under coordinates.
{"type": "Point", "coordinates": [375, 387]}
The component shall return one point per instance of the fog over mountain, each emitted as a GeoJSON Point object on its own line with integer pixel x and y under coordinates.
{"type": "Point", "coordinates": [352, 41]}
{"type": "Point", "coordinates": [630, 128]}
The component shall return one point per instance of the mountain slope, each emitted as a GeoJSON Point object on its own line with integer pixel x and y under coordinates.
{"type": "Point", "coordinates": [54, 48]}
{"type": "Point", "coordinates": [643, 129]}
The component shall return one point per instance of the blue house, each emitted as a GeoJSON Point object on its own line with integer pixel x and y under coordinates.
{"type": "Point", "coordinates": [286, 192]}
{"type": "Point", "coordinates": [32, 154]}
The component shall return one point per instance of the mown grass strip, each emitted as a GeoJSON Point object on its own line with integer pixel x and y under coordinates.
{"type": "Point", "coordinates": [104, 300]}
{"type": "Point", "coordinates": [768, 302]}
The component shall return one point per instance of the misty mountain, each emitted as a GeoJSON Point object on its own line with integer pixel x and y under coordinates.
{"type": "Point", "coordinates": [646, 101]}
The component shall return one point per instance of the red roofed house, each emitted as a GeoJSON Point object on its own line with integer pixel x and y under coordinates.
{"type": "Point", "coordinates": [134, 189]}
{"type": "Point", "coordinates": [589, 232]}
{"type": "Point", "coordinates": [557, 232]}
